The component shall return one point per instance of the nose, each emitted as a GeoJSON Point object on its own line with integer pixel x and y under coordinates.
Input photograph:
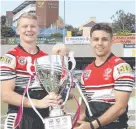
{"type": "Point", "coordinates": [100, 42]}
{"type": "Point", "coordinates": [29, 28]}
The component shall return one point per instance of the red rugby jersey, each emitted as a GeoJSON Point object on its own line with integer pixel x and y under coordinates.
{"type": "Point", "coordinates": [100, 82]}
{"type": "Point", "coordinates": [14, 65]}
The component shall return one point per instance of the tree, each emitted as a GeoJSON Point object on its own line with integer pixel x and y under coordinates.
{"type": "Point", "coordinates": [123, 22]}
{"type": "Point", "coordinates": [74, 30]}
{"type": "Point", "coordinates": [56, 35]}
{"type": "Point", "coordinates": [3, 20]}
{"type": "Point", "coordinates": [7, 31]}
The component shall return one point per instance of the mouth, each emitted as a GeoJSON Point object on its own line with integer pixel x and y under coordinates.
{"type": "Point", "coordinates": [100, 48]}
{"type": "Point", "coordinates": [29, 35]}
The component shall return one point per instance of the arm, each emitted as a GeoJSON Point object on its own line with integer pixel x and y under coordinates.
{"type": "Point", "coordinates": [123, 85]}
{"type": "Point", "coordinates": [9, 96]}
{"type": "Point", "coordinates": [82, 112]}
{"type": "Point", "coordinates": [114, 111]}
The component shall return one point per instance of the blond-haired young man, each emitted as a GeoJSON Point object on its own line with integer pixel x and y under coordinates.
{"type": "Point", "coordinates": [15, 76]}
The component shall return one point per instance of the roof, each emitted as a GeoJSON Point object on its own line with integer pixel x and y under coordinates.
{"type": "Point", "coordinates": [21, 6]}
{"type": "Point", "coordinates": [90, 24]}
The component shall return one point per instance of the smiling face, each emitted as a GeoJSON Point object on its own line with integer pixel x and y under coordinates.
{"type": "Point", "coordinates": [28, 30]}
{"type": "Point", "coordinates": [101, 42]}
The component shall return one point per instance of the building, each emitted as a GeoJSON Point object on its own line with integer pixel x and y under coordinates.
{"type": "Point", "coordinates": [85, 28]}
{"type": "Point", "coordinates": [9, 18]}
{"type": "Point", "coordinates": [47, 12]}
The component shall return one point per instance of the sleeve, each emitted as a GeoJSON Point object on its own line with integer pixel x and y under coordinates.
{"type": "Point", "coordinates": [124, 77]}
{"type": "Point", "coordinates": [7, 67]}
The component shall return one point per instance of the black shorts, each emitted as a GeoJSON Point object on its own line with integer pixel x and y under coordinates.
{"type": "Point", "coordinates": [30, 120]}
{"type": "Point", "coordinates": [27, 122]}
{"type": "Point", "coordinates": [98, 108]}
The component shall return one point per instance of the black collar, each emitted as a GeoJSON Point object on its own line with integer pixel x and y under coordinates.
{"type": "Point", "coordinates": [109, 57]}
{"type": "Point", "coordinates": [21, 47]}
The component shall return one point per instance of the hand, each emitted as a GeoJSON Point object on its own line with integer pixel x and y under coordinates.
{"type": "Point", "coordinates": [50, 100]}
{"type": "Point", "coordinates": [83, 125]}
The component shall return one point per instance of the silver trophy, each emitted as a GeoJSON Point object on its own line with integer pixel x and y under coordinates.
{"type": "Point", "coordinates": [52, 72]}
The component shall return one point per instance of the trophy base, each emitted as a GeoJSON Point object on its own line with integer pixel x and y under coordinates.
{"type": "Point", "coordinates": [59, 122]}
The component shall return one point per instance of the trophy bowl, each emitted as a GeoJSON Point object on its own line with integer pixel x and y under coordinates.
{"type": "Point", "coordinates": [53, 74]}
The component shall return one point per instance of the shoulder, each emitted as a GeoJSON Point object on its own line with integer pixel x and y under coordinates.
{"type": "Point", "coordinates": [13, 51]}
{"type": "Point", "coordinates": [121, 65]}
{"type": "Point", "coordinates": [89, 66]}
{"type": "Point", "coordinates": [9, 56]}
{"type": "Point", "coordinates": [122, 68]}
{"type": "Point", "coordinates": [115, 60]}
{"type": "Point", "coordinates": [42, 53]}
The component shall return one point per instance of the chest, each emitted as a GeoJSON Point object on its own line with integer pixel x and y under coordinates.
{"type": "Point", "coordinates": [98, 76]}
{"type": "Point", "coordinates": [25, 63]}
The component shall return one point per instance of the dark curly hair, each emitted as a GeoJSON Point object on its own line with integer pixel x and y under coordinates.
{"type": "Point", "coordinates": [102, 26]}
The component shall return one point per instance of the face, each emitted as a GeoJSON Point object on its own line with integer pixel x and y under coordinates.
{"type": "Point", "coordinates": [101, 43]}
{"type": "Point", "coordinates": [28, 30]}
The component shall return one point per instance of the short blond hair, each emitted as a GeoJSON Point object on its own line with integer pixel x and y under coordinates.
{"type": "Point", "coordinates": [57, 47]}
{"type": "Point", "coordinates": [27, 15]}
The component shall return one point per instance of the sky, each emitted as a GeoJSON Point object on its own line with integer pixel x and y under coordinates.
{"type": "Point", "coordinates": [77, 12]}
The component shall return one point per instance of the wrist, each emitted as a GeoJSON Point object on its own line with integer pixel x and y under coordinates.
{"type": "Point", "coordinates": [36, 103]}
{"type": "Point", "coordinates": [96, 123]}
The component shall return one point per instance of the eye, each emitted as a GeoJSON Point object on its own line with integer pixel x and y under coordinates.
{"type": "Point", "coordinates": [95, 39]}
{"type": "Point", "coordinates": [104, 39]}
{"type": "Point", "coordinates": [25, 26]}
{"type": "Point", "coordinates": [32, 26]}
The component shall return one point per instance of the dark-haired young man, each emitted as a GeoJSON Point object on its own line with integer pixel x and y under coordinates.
{"type": "Point", "coordinates": [107, 84]}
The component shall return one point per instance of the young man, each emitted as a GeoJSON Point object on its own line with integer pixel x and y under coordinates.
{"type": "Point", "coordinates": [107, 84]}
{"type": "Point", "coordinates": [15, 77]}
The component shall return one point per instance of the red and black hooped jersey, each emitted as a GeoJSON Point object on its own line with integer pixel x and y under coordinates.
{"type": "Point", "coordinates": [99, 83]}
{"type": "Point", "coordinates": [14, 65]}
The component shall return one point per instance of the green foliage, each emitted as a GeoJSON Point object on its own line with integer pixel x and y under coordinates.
{"type": "Point", "coordinates": [72, 29]}
{"type": "Point", "coordinates": [3, 20]}
{"type": "Point", "coordinates": [57, 35]}
{"type": "Point", "coordinates": [123, 33]}
{"type": "Point", "coordinates": [7, 31]}
{"type": "Point", "coordinates": [123, 21]}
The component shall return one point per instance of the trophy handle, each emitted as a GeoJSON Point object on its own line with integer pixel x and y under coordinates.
{"type": "Point", "coordinates": [29, 65]}
{"type": "Point", "coordinates": [72, 60]}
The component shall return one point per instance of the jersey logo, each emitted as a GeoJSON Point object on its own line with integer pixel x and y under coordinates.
{"type": "Point", "coordinates": [124, 69]}
{"type": "Point", "coordinates": [6, 59]}
{"type": "Point", "coordinates": [87, 74]}
{"type": "Point", "coordinates": [22, 60]}
{"type": "Point", "coordinates": [107, 73]}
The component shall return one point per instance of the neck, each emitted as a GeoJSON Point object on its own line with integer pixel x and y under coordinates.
{"type": "Point", "coordinates": [30, 48]}
{"type": "Point", "coordinates": [100, 60]}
